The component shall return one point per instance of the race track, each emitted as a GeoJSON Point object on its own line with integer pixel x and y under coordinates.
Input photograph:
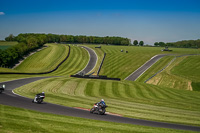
{"type": "Point", "coordinates": [11, 99]}
{"type": "Point", "coordinates": [136, 74]}
{"type": "Point", "coordinates": [92, 61]}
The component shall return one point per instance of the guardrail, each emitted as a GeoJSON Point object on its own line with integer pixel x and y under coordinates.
{"type": "Point", "coordinates": [94, 77]}
{"type": "Point", "coordinates": [101, 64]}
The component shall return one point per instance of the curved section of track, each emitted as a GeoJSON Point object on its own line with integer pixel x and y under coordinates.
{"type": "Point", "coordinates": [92, 61]}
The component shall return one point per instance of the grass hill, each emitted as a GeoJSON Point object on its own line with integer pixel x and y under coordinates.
{"type": "Point", "coordinates": [44, 60]}
{"type": "Point", "coordinates": [159, 102]}
{"type": "Point", "coordinates": [131, 99]}
{"type": "Point", "coordinates": [23, 121]}
{"type": "Point", "coordinates": [182, 73]}
{"type": "Point", "coordinates": [120, 64]}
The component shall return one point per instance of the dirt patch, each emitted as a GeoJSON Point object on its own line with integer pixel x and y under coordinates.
{"type": "Point", "coordinates": [190, 86]}
{"type": "Point", "coordinates": [154, 80]}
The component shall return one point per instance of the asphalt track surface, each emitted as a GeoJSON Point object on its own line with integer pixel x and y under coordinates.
{"type": "Point", "coordinates": [11, 99]}
{"type": "Point", "coordinates": [136, 74]}
{"type": "Point", "coordinates": [92, 61]}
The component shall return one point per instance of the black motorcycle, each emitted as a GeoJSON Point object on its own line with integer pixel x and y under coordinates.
{"type": "Point", "coordinates": [2, 88]}
{"type": "Point", "coordinates": [98, 108]}
{"type": "Point", "coordinates": [38, 99]}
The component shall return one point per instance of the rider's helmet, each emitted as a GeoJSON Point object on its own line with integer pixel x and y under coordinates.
{"type": "Point", "coordinates": [42, 92]}
{"type": "Point", "coordinates": [102, 100]}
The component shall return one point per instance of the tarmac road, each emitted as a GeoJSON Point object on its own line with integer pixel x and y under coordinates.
{"type": "Point", "coordinates": [92, 61]}
{"type": "Point", "coordinates": [136, 74]}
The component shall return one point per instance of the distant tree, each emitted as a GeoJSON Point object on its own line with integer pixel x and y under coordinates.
{"type": "Point", "coordinates": [156, 44]}
{"type": "Point", "coordinates": [10, 38]}
{"type": "Point", "coordinates": [141, 43]}
{"type": "Point", "coordinates": [32, 42]}
{"type": "Point", "coordinates": [63, 38]}
{"type": "Point", "coordinates": [135, 42]}
{"type": "Point", "coordinates": [162, 44]}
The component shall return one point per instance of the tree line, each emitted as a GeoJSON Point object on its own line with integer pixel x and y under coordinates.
{"type": "Point", "coordinates": [180, 44]}
{"type": "Point", "coordinates": [26, 43]}
{"type": "Point", "coordinates": [29, 41]}
{"type": "Point", "coordinates": [52, 38]}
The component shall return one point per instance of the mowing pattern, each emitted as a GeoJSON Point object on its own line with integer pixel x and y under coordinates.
{"type": "Point", "coordinates": [180, 74]}
{"type": "Point", "coordinates": [188, 68]}
{"type": "Point", "coordinates": [119, 64]}
{"type": "Point", "coordinates": [131, 99]}
{"type": "Point", "coordinates": [23, 121]}
{"type": "Point", "coordinates": [44, 60]}
{"type": "Point", "coordinates": [77, 60]}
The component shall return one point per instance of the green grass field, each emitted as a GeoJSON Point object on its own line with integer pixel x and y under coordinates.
{"type": "Point", "coordinates": [44, 60]}
{"type": "Point", "coordinates": [159, 65]}
{"type": "Point", "coordinates": [76, 62]}
{"type": "Point", "coordinates": [5, 45]}
{"type": "Point", "coordinates": [131, 99]}
{"type": "Point", "coordinates": [17, 120]}
{"type": "Point", "coordinates": [159, 102]}
{"type": "Point", "coordinates": [182, 73]}
{"type": "Point", "coordinates": [72, 65]}
{"type": "Point", "coordinates": [120, 64]}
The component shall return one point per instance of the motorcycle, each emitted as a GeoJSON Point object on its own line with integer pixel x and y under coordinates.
{"type": "Point", "coordinates": [38, 99]}
{"type": "Point", "coordinates": [98, 108]}
{"type": "Point", "coordinates": [2, 88]}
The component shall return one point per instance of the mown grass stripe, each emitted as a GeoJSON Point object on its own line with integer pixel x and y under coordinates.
{"type": "Point", "coordinates": [102, 90]}
{"type": "Point", "coordinates": [96, 88]}
{"type": "Point", "coordinates": [81, 88]}
{"type": "Point", "coordinates": [89, 89]}
{"type": "Point", "coordinates": [115, 89]}
{"type": "Point", "coordinates": [128, 91]}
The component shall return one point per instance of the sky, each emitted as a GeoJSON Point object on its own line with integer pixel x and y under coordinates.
{"type": "Point", "coordinates": [147, 20]}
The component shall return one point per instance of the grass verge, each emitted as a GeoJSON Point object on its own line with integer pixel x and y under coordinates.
{"type": "Point", "coordinates": [131, 99]}
{"type": "Point", "coordinates": [183, 73]}
{"type": "Point", "coordinates": [20, 120]}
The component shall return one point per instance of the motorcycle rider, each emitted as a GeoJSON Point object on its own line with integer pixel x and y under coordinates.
{"type": "Point", "coordinates": [101, 102]}
{"type": "Point", "coordinates": [38, 95]}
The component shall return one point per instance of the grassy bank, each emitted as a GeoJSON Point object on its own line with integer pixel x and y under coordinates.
{"type": "Point", "coordinates": [19, 120]}
{"type": "Point", "coordinates": [158, 66]}
{"type": "Point", "coordinates": [182, 73]}
{"type": "Point", "coordinates": [120, 64]}
{"type": "Point", "coordinates": [44, 60]}
{"type": "Point", "coordinates": [76, 61]}
{"type": "Point", "coordinates": [131, 99]}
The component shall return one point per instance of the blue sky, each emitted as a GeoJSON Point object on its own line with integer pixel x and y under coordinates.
{"type": "Point", "coordinates": [147, 20]}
